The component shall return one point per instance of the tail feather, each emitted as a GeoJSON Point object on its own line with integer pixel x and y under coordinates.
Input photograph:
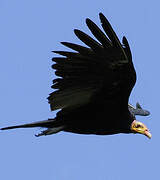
{"type": "Point", "coordinates": [45, 123]}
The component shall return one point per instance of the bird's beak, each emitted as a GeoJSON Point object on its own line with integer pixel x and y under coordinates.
{"type": "Point", "coordinates": [148, 134]}
{"type": "Point", "coordinates": [138, 127]}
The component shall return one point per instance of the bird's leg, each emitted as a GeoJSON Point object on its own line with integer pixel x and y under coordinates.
{"type": "Point", "coordinates": [50, 131]}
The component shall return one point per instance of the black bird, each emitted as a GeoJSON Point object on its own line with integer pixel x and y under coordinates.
{"type": "Point", "coordinates": [93, 88]}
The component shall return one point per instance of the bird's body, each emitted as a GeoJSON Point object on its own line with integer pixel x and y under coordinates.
{"type": "Point", "coordinates": [97, 123]}
{"type": "Point", "coordinates": [93, 87]}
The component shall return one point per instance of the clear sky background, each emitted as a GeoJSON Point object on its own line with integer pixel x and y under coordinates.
{"type": "Point", "coordinates": [29, 30]}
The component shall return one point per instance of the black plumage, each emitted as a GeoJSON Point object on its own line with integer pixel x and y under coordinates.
{"type": "Point", "coordinates": [94, 85]}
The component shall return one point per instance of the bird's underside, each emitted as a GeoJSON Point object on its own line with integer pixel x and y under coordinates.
{"type": "Point", "coordinates": [83, 124]}
{"type": "Point", "coordinates": [93, 86]}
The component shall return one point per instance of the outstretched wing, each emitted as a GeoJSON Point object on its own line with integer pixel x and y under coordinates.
{"type": "Point", "coordinates": [102, 73]}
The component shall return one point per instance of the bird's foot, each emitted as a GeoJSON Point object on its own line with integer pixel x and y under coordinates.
{"type": "Point", "coordinates": [50, 131]}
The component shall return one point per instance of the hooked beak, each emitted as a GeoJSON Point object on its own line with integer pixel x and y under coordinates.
{"type": "Point", "coordinates": [148, 134]}
{"type": "Point", "coordinates": [139, 127]}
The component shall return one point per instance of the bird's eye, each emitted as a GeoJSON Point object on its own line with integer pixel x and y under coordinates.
{"type": "Point", "coordinates": [138, 126]}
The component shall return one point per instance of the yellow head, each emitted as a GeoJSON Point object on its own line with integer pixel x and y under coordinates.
{"type": "Point", "coordinates": [138, 127]}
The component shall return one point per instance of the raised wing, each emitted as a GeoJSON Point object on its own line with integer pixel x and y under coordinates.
{"type": "Point", "coordinates": [101, 73]}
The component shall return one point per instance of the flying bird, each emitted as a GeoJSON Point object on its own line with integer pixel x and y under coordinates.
{"type": "Point", "coordinates": [93, 87]}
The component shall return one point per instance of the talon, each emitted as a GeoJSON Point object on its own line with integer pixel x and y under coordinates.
{"type": "Point", "coordinates": [50, 131]}
{"type": "Point", "coordinates": [40, 134]}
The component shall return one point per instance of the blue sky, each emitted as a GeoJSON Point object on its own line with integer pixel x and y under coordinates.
{"type": "Point", "coordinates": [29, 30]}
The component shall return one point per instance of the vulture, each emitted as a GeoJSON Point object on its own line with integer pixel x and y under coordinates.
{"type": "Point", "coordinates": [92, 87]}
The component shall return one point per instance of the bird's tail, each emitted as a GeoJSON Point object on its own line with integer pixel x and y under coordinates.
{"type": "Point", "coordinates": [51, 124]}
